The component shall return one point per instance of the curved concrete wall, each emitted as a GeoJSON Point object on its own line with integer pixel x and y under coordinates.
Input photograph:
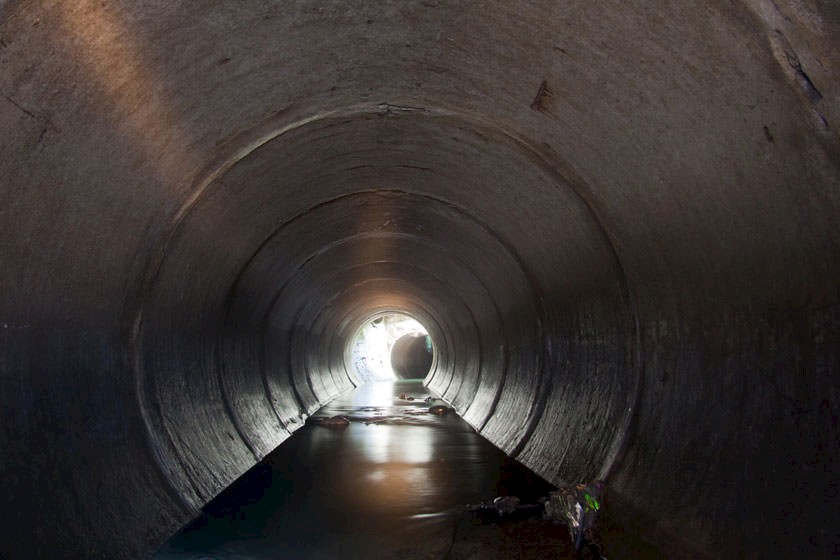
{"type": "Point", "coordinates": [618, 221]}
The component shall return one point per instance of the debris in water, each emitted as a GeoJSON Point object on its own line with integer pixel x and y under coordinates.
{"type": "Point", "coordinates": [578, 508]}
{"type": "Point", "coordinates": [339, 421]}
{"type": "Point", "coordinates": [440, 410]}
{"type": "Point", "coordinates": [505, 508]}
{"type": "Point", "coordinates": [506, 504]}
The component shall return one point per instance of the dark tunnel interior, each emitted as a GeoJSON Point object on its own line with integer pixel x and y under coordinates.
{"type": "Point", "coordinates": [616, 220]}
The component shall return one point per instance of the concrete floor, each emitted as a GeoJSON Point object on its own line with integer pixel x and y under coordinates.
{"type": "Point", "coordinates": [617, 220]}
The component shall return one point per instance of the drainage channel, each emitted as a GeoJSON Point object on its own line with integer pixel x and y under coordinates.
{"type": "Point", "coordinates": [392, 481]}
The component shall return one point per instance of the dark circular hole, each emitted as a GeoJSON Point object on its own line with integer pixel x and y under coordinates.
{"type": "Point", "coordinates": [411, 356]}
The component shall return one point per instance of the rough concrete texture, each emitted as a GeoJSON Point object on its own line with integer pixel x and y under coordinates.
{"type": "Point", "coordinates": [617, 219]}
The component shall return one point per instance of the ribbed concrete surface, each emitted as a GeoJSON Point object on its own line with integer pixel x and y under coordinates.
{"type": "Point", "coordinates": [618, 221]}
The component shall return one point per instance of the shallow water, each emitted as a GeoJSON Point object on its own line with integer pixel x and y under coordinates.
{"type": "Point", "coordinates": [394, 483]}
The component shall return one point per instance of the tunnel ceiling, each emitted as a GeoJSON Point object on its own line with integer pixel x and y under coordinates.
{"type": "Point", "coordinates": [617, 220]}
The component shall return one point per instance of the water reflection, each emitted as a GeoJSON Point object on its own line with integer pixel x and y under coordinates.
{"type": "Point", "coordinates": [386, 486]}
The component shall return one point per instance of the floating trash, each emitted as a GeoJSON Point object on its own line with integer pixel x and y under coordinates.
{"type": "Point", "coordinates": [506, 504]}
{"type": "Point", "coordinates": [504, 509]}
{"type": "Point", "coordinates": [578, 508]}
{"type": "Point", "coordinates": [440, 410]}
{"type": "Point", "coordinates": [339, 421]}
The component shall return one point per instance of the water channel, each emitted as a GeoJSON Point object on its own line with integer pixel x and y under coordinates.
{"type": "Point", "coordinates": [393, 484]}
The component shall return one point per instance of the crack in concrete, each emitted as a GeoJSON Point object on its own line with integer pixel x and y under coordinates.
{"type": "Point", "coordinates": [540, 102]}
{"type": "Point", "coordinates": [48, 124]}
{"type": "Point", "coordinates": [781, 42]}
{"type": "Point", "coordinates": [804, 80]}
{"type": "Point", "coordinates": [23, 109]}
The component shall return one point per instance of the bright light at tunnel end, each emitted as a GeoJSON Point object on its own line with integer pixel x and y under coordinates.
{"type": "Point", "coordinates": [370, 349]}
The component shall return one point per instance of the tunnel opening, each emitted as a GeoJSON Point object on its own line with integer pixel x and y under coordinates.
{"type": "Point", "coordinates": [390, 346]}
{"type": "Point", "coordinates": [412, 356]}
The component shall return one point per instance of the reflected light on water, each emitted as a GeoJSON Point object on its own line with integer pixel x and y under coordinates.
{"type": "Point", "coordinates": [366, 490]}
{"type": "Point", "coordinates": [374, 394]}
{"type": "Point", "coordinates": [395, 461]}
{"type": "Point", "coordinates": [395, 444]}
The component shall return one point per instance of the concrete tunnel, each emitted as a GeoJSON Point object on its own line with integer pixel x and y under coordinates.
{"type": "Point", "coordinates": [616, 219]}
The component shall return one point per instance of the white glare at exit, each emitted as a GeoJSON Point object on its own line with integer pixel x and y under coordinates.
{"type": "Point", "coordinates": [372, 347]}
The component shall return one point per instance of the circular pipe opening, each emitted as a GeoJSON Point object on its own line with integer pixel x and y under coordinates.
{"type": "Point", "coordinates": [373, 347]}
{"type": "Point", "coordinates": [411, 356]}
